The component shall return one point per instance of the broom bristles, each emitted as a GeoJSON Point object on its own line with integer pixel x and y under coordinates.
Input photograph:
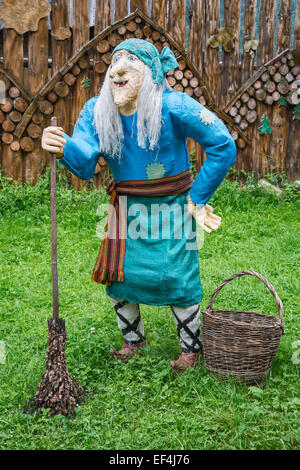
{"type": "Point", "coordinates": [57, 390]}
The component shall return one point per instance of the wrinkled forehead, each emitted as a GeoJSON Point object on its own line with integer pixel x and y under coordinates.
{"type": "Point", "coordinates": [126, 55]}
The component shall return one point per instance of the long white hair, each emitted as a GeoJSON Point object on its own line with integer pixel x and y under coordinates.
{"type": "Point", "coordinates": [108, 123]}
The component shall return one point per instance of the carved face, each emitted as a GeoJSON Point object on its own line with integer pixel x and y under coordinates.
{"type": "Point", "coordinates": [126, 77]}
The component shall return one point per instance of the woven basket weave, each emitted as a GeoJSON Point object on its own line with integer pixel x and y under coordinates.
{"type": "Point", "coordinates": [238, 343]}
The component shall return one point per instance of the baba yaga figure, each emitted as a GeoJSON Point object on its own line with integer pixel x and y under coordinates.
{"type": "Point", "coordinates": [139, 125]}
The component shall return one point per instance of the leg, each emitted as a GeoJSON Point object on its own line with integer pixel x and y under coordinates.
{"type": "Point", "coordinates": [131, 326]}
{"type": "Point", "coordinates": [187, 320]}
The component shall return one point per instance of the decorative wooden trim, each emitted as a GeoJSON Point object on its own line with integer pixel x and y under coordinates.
{"type": "Point", "coordinates": [273, 81]}
{"type": "Point", "coordinates": [27, 116]}
{"type": "Point", "coordinates": [16, 82]}
{"type": "Point", "coordinates": [275, 59]}
{"type": "Point", "coordinates": [228, 119]}
{"type": "Point", "coordinates": [253, 79]}
{"type": "Point", "coordinates": [245, 87]}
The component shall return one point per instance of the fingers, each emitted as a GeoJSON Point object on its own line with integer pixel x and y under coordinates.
{"type": "Point", "coordinates": [209, 211]}
{"type": "Point", "coordinates": [212, 221]}
{"type": "Point", "coordinates": [208, 208]}
{"type": "Point", "coordinates": [52, 148]}
{"type": "Point", "coordinates": [212, 224]}
{"type": "Point", "coordinates": [54, 142]}
{"type": "Point", "coordinates": [208, 230]}
{"type": "Point", "coordinates": [215, 217]}
{"type": "Point", "coordinates": [54, 136]}
{"type": "Point", "coordinates": [206, 221]}
{"type": "Point", "coordinates": [55, 130]}
{"type": "Point", "coordinates": [204, 216]}
{"type": "Point", "coordinates": [50, 138]}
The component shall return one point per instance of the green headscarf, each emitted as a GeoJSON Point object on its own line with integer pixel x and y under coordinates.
{"type": "Point", "coordinates": [159, 64]}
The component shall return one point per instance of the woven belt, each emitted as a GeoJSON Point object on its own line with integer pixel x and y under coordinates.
{"type": "Point", "coordinates": [109, 266]}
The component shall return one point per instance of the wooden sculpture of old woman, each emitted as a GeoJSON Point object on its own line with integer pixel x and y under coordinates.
{"type": "Point", "coordinates": [140, 126]}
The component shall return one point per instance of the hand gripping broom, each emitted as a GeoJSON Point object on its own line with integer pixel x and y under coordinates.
{"type": "Point", "coordinates": [57, 391]}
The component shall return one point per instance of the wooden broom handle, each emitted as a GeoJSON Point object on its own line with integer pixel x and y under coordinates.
{"type": "Point", "coordinates": [259, 276]}
{"type": "Point", "coordinates": [54, 231]}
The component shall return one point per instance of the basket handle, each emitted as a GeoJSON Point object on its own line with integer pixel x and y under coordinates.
{"type": "Point", "coordinates": [259, 276]}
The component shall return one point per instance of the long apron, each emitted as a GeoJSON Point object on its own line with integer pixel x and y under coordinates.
{"type": "Point", "coordinates": [161, 257]}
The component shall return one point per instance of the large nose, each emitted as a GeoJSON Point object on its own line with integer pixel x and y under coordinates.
{"type": "Point", "coordinates": [120, 68]}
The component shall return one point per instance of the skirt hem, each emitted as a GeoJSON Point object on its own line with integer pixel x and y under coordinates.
{"type": "Point", "coordinates": [135, 300]}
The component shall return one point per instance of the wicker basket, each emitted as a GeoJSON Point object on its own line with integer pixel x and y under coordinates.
{"type": "Point", "coordinates": [240, 344]}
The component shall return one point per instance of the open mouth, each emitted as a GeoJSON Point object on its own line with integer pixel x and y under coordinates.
{"type": "Point", "coordinates": [121, 84]}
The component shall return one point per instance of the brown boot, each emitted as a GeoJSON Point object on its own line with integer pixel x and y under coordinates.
{"type": "Point", "coordinates": [184, 361]}
{"type": "Point", "coordinates": [127, 351]}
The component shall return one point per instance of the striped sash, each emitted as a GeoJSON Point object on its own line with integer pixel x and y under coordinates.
{"type": "Point", "coordinates": [109, 266]}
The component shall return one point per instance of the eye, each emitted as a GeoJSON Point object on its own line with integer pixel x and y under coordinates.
{"type": "Point", "coordinates": [117, 58]}
{"type": "Point", "coordinates": [131, 57]}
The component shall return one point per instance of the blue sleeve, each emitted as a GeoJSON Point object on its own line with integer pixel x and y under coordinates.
{"type": "Point", "coordinates": [211, 133]}
{"type": "Point", "coordinates": [82, 150]}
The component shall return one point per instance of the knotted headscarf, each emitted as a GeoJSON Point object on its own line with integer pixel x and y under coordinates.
{"type": "Point", "coordinates": [159, 64]}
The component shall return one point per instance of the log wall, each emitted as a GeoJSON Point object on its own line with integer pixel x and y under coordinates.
{"type": "Point", "coordinates": [45, 74]}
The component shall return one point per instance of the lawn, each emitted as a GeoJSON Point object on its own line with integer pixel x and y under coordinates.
{"type": "Point", "coordinates": [142, 405]}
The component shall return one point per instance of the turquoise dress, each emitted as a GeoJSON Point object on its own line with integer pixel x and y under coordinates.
{"type": "Point", "coordinates": [161, 259]}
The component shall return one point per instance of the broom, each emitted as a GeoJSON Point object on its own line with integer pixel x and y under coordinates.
{"type": "Point", "coordinates": [57, 390]}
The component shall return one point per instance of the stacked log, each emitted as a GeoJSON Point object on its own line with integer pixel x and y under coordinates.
{"type": "Point", "coordinates": [52, 97]}
{"type": "Point", "coordinates": [83, 62]}
{"type": "Point", "coordinates": [20, 104]}
{"type": "Point", "coordinates": [62, 90]}
{"type": "Point", "coordinates": [46, 107]}
{"type": "Point", "coordinates": [15, 146]}
{"type": "Point", "coordinates": [38, 117]}
{"type": "Point", "coordinates": [27, 144]}
{"type": "Point", "coordinates": [11, 111]}
{"type": "Point", "coordinates": [278, 79]}
{"type": "Point", "coordinates": [34, 131]}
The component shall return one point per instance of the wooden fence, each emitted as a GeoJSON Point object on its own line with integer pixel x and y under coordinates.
{"type": "Point", "coordinates": [55, 69]}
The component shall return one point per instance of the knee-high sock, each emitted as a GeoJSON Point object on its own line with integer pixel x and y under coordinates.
{"type": "Point", "coordinates": [129, 321]}
{"type": "Point", "coordinates": [187, 320]}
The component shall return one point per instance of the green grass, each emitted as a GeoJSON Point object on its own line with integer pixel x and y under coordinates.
{"type": "Point", "coordinates": [141, 405]}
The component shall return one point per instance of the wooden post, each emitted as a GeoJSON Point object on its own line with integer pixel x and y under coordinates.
{"type": "Point", "coordinates": [293, 151]}
{"type": "Point", "coordinates": [177, 25]}
{"type": "Point", "coordinates": [196, 44]}
{"type": "Point", "coordinates": [120, 9]}
{"type": "Point", "coordinates": [230, 77]}
{"type": "Point", "coordinates": [212, 70]}
{"type": "Point", "coordinates": [37, 159]}
{"type": "Point", "coordinates": [196, 36]}
{"type": "Point", "coordinates": [141, 4]}
{"type": "Point", "coordinates": [81, 31]}
{"type": "Point", "coordinates": [61, 52]}
{"type": "Point", "coordinates": [265, 148]}
{"type": "Point", "coordinates": [159, 12]}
